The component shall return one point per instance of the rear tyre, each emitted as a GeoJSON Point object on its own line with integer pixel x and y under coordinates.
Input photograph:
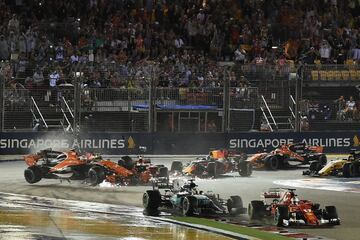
{"type": "Point", "coordinates": [96, 175]}
{"type": "Point", "coordinates": [33, 174]}
{"type": "Point", "coordinates": [163, 172]}
{"type": "Point", "coordinates": [256, 210]}
{"type": "Point", "coordinates": [189, 205]}
{"type": "Point", "coordinates": [245, 169]}
{"type": "Point", "coordinates": [349, 170]}
{"type": "Point", "coordinates": [323, 159]}
{"type": "Point", "coordinates": [272, 163]}
{"type": "Point", "coordinates": [211, 169]}
{"type": "Point", "coordinates": [151, 202]}
{"type": "Point", "coordinates": [176, 166]}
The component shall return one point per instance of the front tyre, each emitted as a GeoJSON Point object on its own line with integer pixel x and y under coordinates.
{"type": "Point", "coordinates": [96, 175]}
{"type": "Point", "coordinates": [33, 174]}
{"type": "Point", "coordinates": [151, 202]}
{"type": "Point", "coordinates": [332, 215]}
{"type": "Point", "coordinates": [282, 213]}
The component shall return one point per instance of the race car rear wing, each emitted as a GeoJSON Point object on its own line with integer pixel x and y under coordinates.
{"type": "Point", "coordinates": [276, 192]}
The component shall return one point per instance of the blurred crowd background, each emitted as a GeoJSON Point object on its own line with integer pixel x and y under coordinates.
{"type": "Point", "coordinates": [45, 40]}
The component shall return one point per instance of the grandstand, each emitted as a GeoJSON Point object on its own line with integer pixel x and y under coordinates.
{"type": "Point", "coordinates": [179, 66]}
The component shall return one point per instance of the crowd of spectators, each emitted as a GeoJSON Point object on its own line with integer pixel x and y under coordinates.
{"type": "Point", "coordinates": [347, 110]}
{"type": "Point", "coordinates": [46, 41]}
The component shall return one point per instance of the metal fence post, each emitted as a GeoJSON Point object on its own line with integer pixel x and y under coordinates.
{"type": "Point", "coordinates": [151, 101]}
{"type": "Point", "coordinates": [226, 102]}
{"type": "Point", "coordinates": [77, 101]}
{"type": "Point", "coordinates": [298, 96]}
{"type": "Point", "coordinates": [2, 101]}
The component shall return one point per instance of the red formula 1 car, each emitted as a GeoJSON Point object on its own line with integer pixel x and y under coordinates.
{"type": "Point", "coordinates": [218, 162]}
{"type": "Point", "coordinates": [286, 209]}
{"type": "Point", "coordinates": [51, 164]}
{"type": "Point", "coordinates": [126, 172]}
{"type": "Point", "coordinates": [288, 155]}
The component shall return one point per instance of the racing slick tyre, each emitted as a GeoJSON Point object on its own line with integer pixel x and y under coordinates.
{"type": "Point", "coordinates": [163, 172]}
{"type": "Point", "coordinates": [322, 159]}
{"type": "Point", "coordinates": [272, 163]}
{"type": "Point", "coordinates": [242, 157]}
{"type": "Point", "coordinates": [189, 205]}
{"type": "Point", "coordinates": [121, 163]}
{"type": "Point", "coordinates": [315, 166]}
{"type": "Point", "coordinates": [245, 169]}
{"type": "Point", "coordinates": [220, 167]}
{"type": "Point", "coordinates": [256, 210]}
{"type": "Point", "coordinates": [176, 166]}
{"type": "Point", "coordinates": [151, 202]}
{"type": "Point", "coordinates": [349, 170]}
{"type": "Point", "coordinates": [331, 215]}
{"type": "Point", "coordinates": [96, 175]}
{"type": "Point", "coordinates": [33, 174]}
{"type": "Point", "coordinates": [331, 212]}
{"type": "Point", "coordinates": [129, 163]}
{"type": "Point", "coordinates": [282, 213]}
{"type": "Point", "coordinates": [211, 169]}
{"type": "Point", "coordinates": [235, 205]}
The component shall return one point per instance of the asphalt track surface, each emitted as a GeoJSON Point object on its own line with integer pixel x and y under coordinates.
{"type": "Point", "coordinates": [249, 188]}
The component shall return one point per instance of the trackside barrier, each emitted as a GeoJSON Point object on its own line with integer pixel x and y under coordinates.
{"type": "Point", "coordinates": [176, 143]}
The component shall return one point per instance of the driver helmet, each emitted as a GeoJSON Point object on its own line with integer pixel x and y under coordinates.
{"type": "Point", "coordinates": [295, 200]}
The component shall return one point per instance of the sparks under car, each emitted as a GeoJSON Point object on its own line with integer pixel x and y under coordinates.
{"type": "Point", "coordinates": [189, 201]}
{"type": "Point", "coordinates": [286, 209]}
{"type": "Point", "coordinates": [288, 155]}
{"type": "Point", "coordinates": [127, 171]}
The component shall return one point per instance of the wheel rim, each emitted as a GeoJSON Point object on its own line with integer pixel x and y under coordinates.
{"type": "Point", "coordinates": [93, 177]}
{"type": "Point", "coordinates": [352, 170]}
{"type": "Point", "coordinates": [145, 200]}
{"type": "Point", "coordinates": [250, 211]}
{"type": "Point", "coordinates": [276, 217]}
{"type": "Point", "coordinates": [186, 205]}
{"type": "Point", "coordinates": [249, 169]}
{"type": "Point", "coordinates": [274, 163]}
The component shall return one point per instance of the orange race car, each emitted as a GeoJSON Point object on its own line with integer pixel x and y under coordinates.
{"type": "Point", "coordinates": [216, 163]}
{"type": "Point", "coordinates": [71, 165]}
{"type": "Point", "coordinates": [288, 155]}
{"type": "Point", "coordinates": [127, 171]}
{"type": "Point", "coordinates": [51, 164]}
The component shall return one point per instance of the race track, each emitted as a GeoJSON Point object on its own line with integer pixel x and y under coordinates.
{"type": "Point", "coordinates": [347, 203]}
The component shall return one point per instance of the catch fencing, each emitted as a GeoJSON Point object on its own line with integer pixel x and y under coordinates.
{"type": "Point", "coordinates": [149, 97]}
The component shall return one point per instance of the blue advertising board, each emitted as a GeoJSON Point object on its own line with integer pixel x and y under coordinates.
{"type": "Point", "coordinates": [172, 143]}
